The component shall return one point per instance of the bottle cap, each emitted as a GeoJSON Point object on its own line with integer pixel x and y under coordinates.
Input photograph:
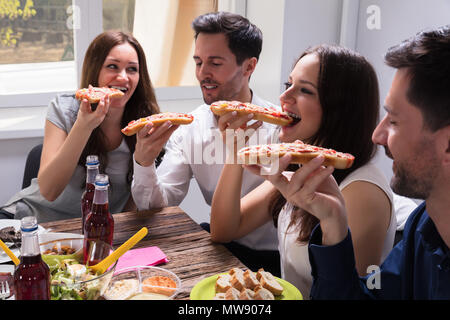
{"type": "Point", "coordinates": [28, 224]}
{"type": "Point", "coordinates": [101, 180]}
{"type": "Point", "coordinates": [92, 160]}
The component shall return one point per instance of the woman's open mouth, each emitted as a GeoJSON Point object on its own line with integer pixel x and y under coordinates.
{"type": "Point", "coordinates": [123, 89]}
{"type": "Point", "coordinates": [296, 118]}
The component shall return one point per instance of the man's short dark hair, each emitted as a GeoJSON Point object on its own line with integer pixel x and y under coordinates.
{"type": "Point", "coordinates": [427, 58]}
{"type": "Point", "coordinates": [244, 38]}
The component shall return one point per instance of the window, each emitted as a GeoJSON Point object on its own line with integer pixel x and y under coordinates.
{"type": "Point", "coordinates": [36, 48]}
{"type": "Point", "coordinates": [43, 42]}
{"type": "Point", "coordinates": [119, 14]}
{"type": "Point", "coordinates": [35, 31]}
{"type": "Point", "coordinates": [164, 30]}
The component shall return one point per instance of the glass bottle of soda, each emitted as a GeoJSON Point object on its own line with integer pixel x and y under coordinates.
{"type": "Point", "coordinates": [92, 165]}
{"type": "Point", "coordinates": [32, 275]}
{"type": "Point", "coordinates": [99, 224]}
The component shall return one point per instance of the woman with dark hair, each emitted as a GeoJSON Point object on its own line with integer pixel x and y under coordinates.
{"type": "Point", "coordinates": [75, 129]}
{"type": "Point", "coordinates": [332, 93]}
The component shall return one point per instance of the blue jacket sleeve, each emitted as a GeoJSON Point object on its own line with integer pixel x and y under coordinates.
{"type": "Point", "coordinates": [335, 276]}
{"type": "Point", "coordinates": [333, 269]}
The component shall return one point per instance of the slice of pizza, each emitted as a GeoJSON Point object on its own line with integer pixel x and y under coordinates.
{"type": "Point", "coordinates": [157, 119]}
{"type": "Point", "coordinates": [301, 153]}
{"type": "Point", "coordinates": [95, 94]}
{"type": "Point", "coordinates": [265, 114]}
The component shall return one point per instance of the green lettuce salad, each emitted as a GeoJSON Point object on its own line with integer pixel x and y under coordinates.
{"type": "Point", "coordinates": [72, 280]}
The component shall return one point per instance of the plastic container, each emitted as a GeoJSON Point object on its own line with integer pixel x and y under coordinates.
{"type": "Point", "coordinates": [133, 284]}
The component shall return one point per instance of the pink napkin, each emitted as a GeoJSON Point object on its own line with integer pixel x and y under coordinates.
{"type": "Point", "coordinates": [149, 256]}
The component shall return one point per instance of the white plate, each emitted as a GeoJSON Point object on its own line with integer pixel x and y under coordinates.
{"type": "Point", "coordinates": [16, 224]}
{"type": "Point", "coordinates": [8, 268]}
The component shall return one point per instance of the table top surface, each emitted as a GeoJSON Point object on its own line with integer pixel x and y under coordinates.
{"type": "Point", "coordinates": [191, 253]}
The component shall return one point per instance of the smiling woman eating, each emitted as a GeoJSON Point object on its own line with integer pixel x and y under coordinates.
{"type": "Point", "coordinates": [74, 130]}
{"type": "Point", "coordinates": [332, 92]}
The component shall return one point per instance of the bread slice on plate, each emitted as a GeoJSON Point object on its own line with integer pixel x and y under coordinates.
{"type": "Point", "coordinates": [232, 294]}
{"type": "Point", "coordinates": [263, 294]}
{"type": "Point", "coordinates": [223, 283]}
{"type": "Point", "coordinates": [235, 271]}
{"type": "Point", "coordinates": [250, 279]}
{"type": "Point", "coordinates": [268, 281]}
{"type": "Point", "coordinates": [237, 281]}
{"type": "Point", "coordinates": [219, 296]}
{"type": "Point", "coordinates": [247, 294]}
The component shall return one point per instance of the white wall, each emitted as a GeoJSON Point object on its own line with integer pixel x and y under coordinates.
{"type": "Point", "coordinates": [267, 75]}
{"type": "Point", "coordinates": [289, 27]}
{"type": "Point", "coordinates": [373, 42]}
{"type": "Point", "coordinates": [20, 130]}
{"type": "Point", "coordinates": [12, 163]}
{"type": "Point", "coordinates": [308, 23]}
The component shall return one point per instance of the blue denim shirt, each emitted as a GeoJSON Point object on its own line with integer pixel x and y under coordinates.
{"type": "Point", "coordinates": [418, 267]}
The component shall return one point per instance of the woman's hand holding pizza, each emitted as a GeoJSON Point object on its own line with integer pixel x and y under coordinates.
{"type": "Point", "coordinates": [150, 141]}
{"type": "Point", "coordinates": [235, 131]}
{"type": "Point", "coordinates": [312, 188]}
{"type": "Point", "coordinates": [89, 118]}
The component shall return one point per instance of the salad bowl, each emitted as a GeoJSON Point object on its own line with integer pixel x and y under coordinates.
{"type": "Point", "coordinates": [71, 277]}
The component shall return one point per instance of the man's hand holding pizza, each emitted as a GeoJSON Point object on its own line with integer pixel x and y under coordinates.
{"type": "Point", "coordinates": [236, 132]}
{"type": "Point", "coordinates": [150, 140]}
{"type": "Point", "coordinates": [153, 132]}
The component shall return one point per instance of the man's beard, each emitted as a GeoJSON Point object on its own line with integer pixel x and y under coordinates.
{"type": "Point", "coordinates": [406, 185]}
{"type": "Point", "coordinates": [416, 181]}
{"type": "Point", "coordinates": [227, 91]}
{"type": "Point", "coordinates": [210, 99]}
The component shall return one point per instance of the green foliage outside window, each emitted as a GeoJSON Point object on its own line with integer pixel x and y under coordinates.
{"type": "Point", "coordinates": [11, 10]}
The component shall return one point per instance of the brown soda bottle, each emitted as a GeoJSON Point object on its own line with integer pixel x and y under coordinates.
{"type": "Point", "coordinates": [32, 275]}
{"type": "Point", "coordinates": [99, 223]}
{"type": "Point", "coordinates": [92, 169]}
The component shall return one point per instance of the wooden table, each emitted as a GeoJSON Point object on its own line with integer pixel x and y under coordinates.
{"type": "Point", "coordinates": [192, 254]}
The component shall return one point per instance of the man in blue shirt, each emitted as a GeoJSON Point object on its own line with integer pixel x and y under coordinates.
{"type": "Point", "coordinates": [416, 134]}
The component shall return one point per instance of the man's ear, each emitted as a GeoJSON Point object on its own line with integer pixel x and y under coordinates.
{"type": "Point", "coordinates": [444, 136]}
{"type": "Point", "coordinates": [249, 66]}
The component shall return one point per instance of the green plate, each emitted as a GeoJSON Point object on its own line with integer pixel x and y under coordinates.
{"type": "Point", "coordinates": [206, 290]}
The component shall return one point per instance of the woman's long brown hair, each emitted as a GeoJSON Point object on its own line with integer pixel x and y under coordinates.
{"type": "Point", "coordinates": [349, 97]}
{"type": "Point", "coordinates": [141, 104]}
